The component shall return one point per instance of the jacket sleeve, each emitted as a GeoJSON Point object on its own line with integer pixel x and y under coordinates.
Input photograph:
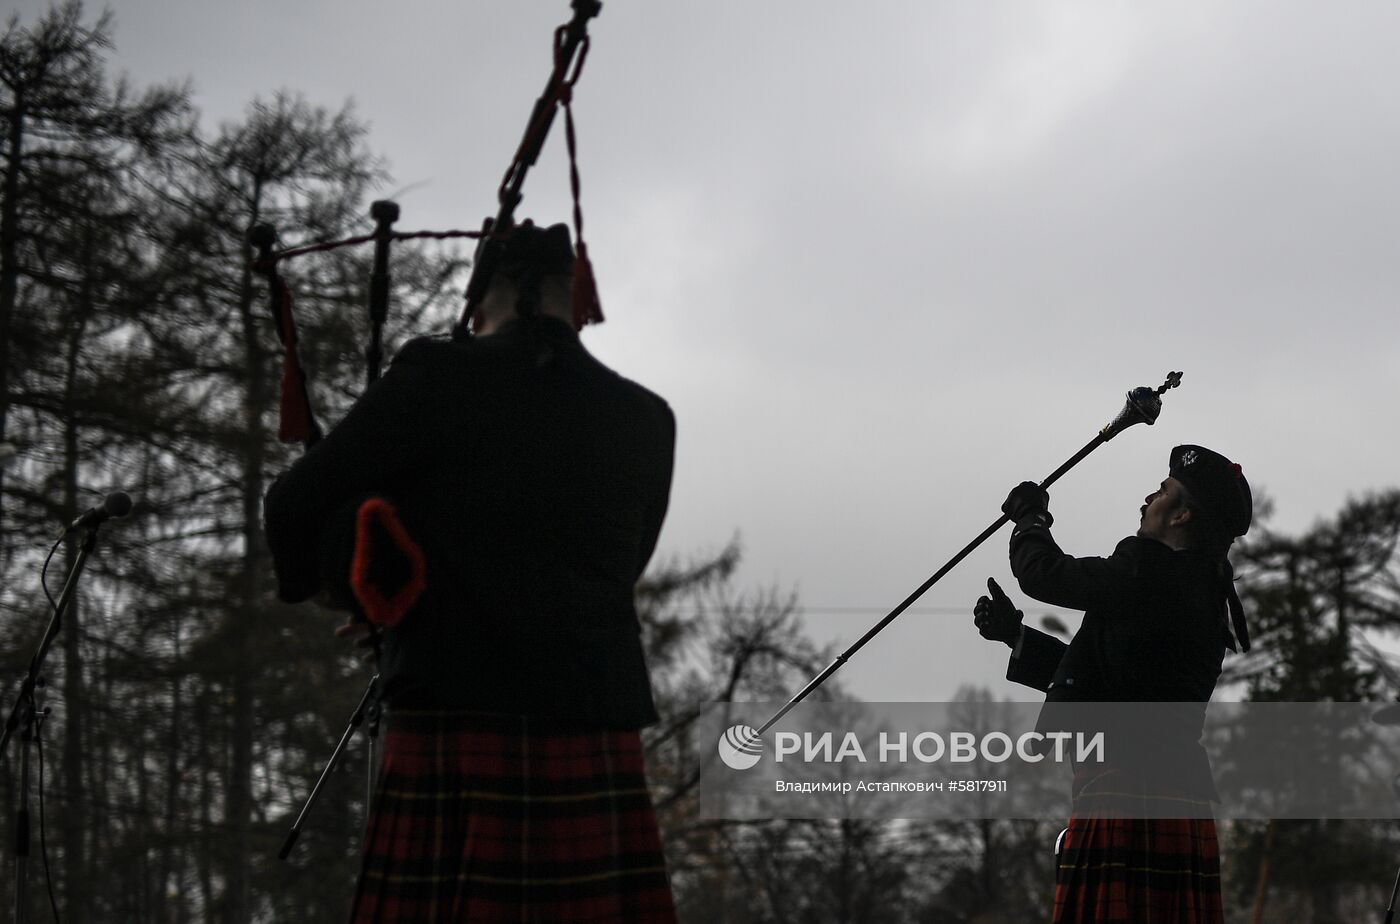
{"type": "Point", "coordinates": [1050, 576]}
{"type": "Point", "coordinates": [1035, 661]}
{"type": "Point", "coordinates": [385, 436]}
{"type": "Point", "coordinates": [661, 490]}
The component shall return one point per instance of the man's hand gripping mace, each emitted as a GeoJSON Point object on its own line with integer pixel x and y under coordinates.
{"type": "Point", "coordinates": [1143, 406]}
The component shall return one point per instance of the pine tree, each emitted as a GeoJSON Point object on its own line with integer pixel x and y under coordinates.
{"type": "Point", "coordinates": [71, 252]}
{"type": "Point", "coordinates": [1314, 601]}
{"type": "Point", "coordinates": [193, 712]}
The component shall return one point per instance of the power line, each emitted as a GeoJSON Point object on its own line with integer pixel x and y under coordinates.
{"type": "Point", "coordinates": [855, 609]}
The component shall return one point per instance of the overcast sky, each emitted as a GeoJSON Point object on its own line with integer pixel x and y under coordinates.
{"type": "Point", "coordinates": [888, 259]}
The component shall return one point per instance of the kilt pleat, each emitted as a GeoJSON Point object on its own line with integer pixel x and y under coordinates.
{"type": "Point", "coordinates": [1114, 869]}
{"type": "Point", "coordinates": [497, 818]}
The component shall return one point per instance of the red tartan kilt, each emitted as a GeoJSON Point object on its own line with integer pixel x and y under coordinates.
{"type": "Point", "coordinates": [1112, 869]}
{"type": "Point", "coordinates": [503, 818]}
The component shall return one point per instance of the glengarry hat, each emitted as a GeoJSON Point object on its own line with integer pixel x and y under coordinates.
{"type": "Point", "coordinates": [529, 250]}
{"type": "Point", "coordinates": [1217, 487]}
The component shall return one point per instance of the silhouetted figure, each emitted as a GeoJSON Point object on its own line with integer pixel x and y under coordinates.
{"type": "Point", "coordinates": [1157, 621]}
{"type": "Point", "coordinates": [497, 499]}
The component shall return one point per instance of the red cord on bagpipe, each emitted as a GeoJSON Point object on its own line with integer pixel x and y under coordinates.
{"type": "Point", "coordinates": [366, 238]}
{"type": "Point", "coordinates": [570, 51]}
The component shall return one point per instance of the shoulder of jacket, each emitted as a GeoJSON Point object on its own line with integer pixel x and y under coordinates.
{"type": "Point", "coordinates": [661, 405]}
{"type": "Point", "coordinates": [438, 353]}
{"type": "Point", "coordinates": [1138, 547]}
{"type": "Point", "coordinates": [1153, 564]}
{"type": "Point", "coordinates": [643, 394]}
{"type": "Point", "coordinates": [422, 350]}
{"type": "Point", "coordinates": [664, 415]}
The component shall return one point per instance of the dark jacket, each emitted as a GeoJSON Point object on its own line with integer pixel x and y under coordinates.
{"type": "Point", "coordinates": [536, 480]}
{"type": "Point", "coordinates": [1153, 631]}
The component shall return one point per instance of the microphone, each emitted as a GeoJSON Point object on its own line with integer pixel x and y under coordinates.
{"type": "Point", "coordinates": [114, 506]}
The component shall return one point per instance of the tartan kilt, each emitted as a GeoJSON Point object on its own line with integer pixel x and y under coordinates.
{"type": "Point", "coordinates": [491, 818]}
{"type": "Point", "coordinates": [1112, 868]}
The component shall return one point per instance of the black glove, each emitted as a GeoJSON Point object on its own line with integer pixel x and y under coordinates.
{"type": "Point", "coordinates": [996, 617]}
{"type": "Point", "coordinates": [1028, 501]}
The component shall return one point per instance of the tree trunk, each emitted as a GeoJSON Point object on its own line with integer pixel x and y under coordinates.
{"type": "Point", "coordinates": [142, 892]}
{"type": "Point", "coordinates": [237, 903]}
{"type": "Point", "coordinates": [1257, 917]}
{"type": "Point", "coordinates": [75, 829]}
{"type": "Point", "coordinates": [206, 837]}
{"type": "Point", "coordinates": [170, 879]}
{"type": "Point", "coordinates": [9, 272]}
{"type": "Point", "coordinates": [9, 265]}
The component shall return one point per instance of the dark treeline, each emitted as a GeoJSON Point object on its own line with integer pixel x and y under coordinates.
{"type": "Point", "coordinates": [188, 709]}
{"type": "Point", "coordinates": [189, 713]}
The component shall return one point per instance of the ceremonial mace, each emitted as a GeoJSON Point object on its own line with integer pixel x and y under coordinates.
{"type": "Point", "coordinates": [1144, 404]}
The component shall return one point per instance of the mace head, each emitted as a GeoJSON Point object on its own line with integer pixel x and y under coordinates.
{"type": "Point", "coordinates": [1144, 404]}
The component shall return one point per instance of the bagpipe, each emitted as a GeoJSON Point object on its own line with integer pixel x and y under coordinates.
{"type": "Point", "coordinates": [370, 562]}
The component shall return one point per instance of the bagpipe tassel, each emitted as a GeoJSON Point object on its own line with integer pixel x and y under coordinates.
{"type": "Point", "coordinates": [296, 424]}
{"type": "Point", "coordinates": [587, 307]}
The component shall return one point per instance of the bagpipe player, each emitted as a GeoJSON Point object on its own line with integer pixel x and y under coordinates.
{"type": "Point", "coordinates": [489, 505]}
{"type": "Point", "coordinates": [1159, 614]}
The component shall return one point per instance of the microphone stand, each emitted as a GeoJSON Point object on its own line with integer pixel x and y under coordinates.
{"type": "Point", "coordinates": [24, 713]}
{"type": "Point", "coordinates": [368, 703]}
{"type": "Point", "coordinates": [375, 713]}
